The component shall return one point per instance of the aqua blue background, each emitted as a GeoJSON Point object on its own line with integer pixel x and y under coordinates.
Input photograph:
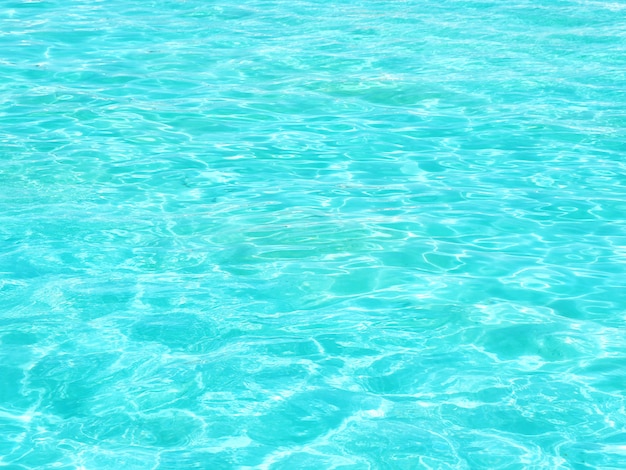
{"type": "Point", "coordinates": [304, 235]}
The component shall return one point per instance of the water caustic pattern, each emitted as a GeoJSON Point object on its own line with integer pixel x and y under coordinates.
{"type": "Point", "coordinates": [301, 235]}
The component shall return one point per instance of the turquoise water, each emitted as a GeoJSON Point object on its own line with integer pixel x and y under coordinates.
{"type": "Point", "coordinates": [304, 235]}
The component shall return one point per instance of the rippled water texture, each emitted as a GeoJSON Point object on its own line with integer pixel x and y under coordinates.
{"type": "Point", "coordinates": [305, 235]}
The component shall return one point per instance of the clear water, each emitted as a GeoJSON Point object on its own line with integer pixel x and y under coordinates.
{"type": "Point", "coordinates": [311, 235]}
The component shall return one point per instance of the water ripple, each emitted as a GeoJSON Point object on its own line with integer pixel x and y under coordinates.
{"type": "Point", "coordinates": [350, 235]}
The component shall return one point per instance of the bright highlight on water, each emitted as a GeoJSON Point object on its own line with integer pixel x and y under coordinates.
{"type": "Point", "coordinates": [376, 234]}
